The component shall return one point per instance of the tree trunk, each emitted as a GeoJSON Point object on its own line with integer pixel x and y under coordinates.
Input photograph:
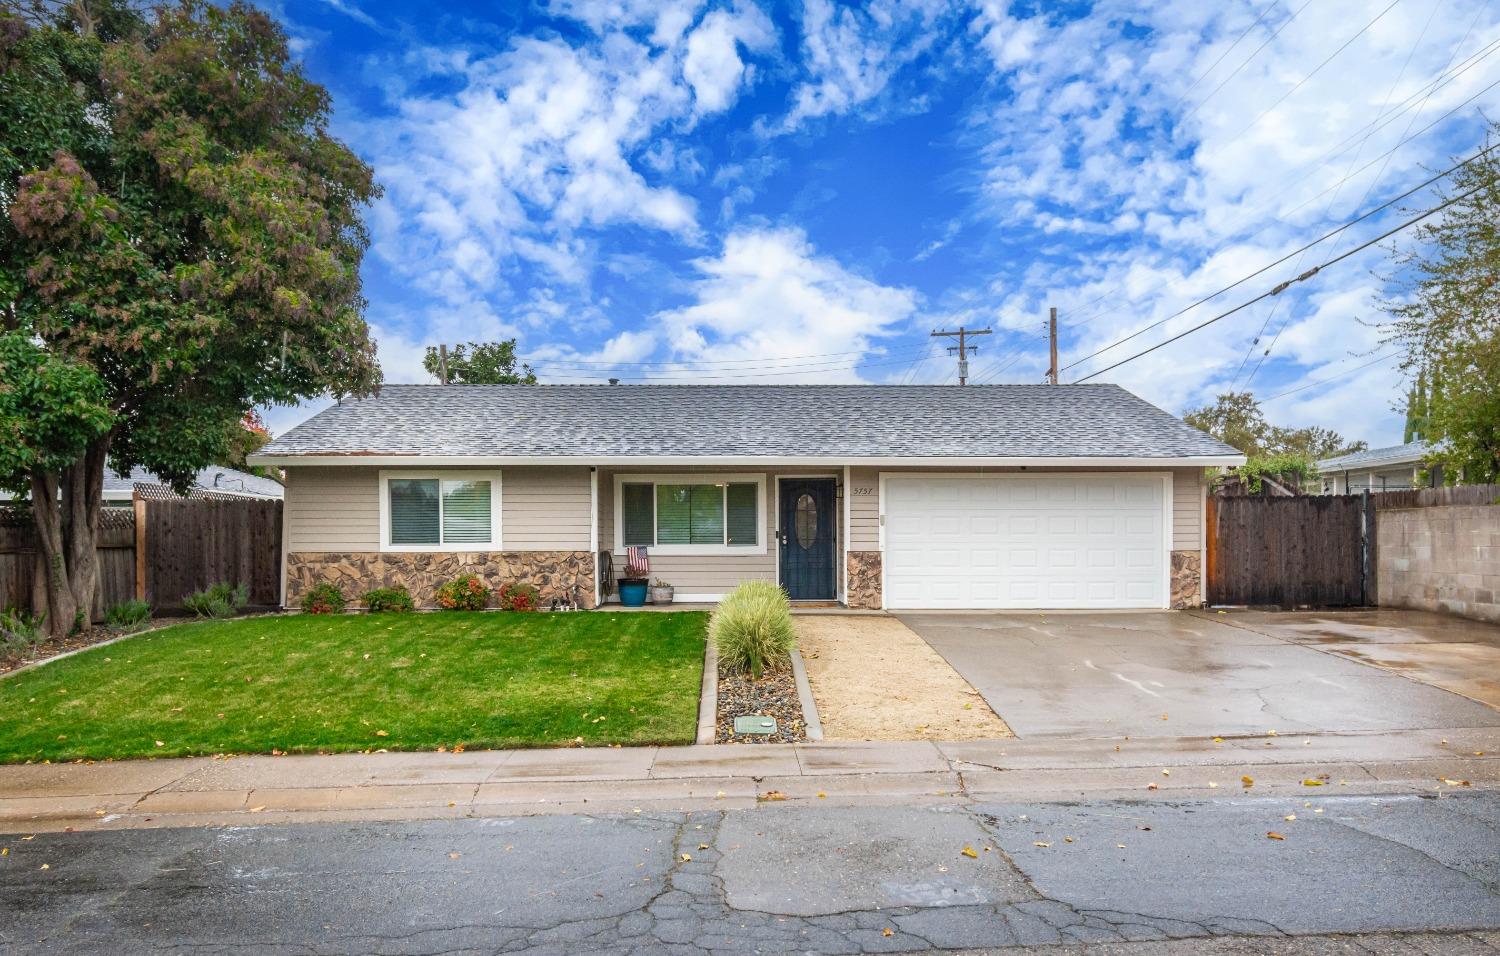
{"type": "Point", "coordinates": [66, 509]}
{"type": "Point", "coordinates": [46, 510]}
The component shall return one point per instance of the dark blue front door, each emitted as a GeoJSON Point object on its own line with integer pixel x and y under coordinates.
{"type": "Point", "coordinates": [806, 531]}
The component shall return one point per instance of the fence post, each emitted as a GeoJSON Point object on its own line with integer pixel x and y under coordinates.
{"type": "Point", "coordinates": [1369, 539]}
{"type": "Point", "coordinates": [138, 505]}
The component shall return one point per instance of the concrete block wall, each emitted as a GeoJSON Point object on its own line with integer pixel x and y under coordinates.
{"type": "Point", "coordinates": [1440, 559]}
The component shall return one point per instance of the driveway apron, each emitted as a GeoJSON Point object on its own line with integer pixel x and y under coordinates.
{"type": "Point", "coordinates": [1175, 674]}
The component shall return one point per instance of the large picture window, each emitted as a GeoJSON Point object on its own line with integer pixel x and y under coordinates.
{"type": "Point", "coordinates": [691, 513]}
{"type": "Point", "coordinates": [439, 512]}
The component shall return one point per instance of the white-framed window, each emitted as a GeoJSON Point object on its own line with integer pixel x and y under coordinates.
{"type": "Point", "coordinates": [691, 514]}
{"type": "Point", "coordinates": [439, 510]}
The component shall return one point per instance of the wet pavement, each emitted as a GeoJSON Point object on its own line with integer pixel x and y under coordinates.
{"type": "Point", "coordinates": [1183, 674]}
{"type": "Point", "coordinates": [776, 878]}
{"type": "Point", "coordinates": [1455, 654]}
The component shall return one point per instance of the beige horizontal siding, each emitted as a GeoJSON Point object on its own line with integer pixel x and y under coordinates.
{"type": "Point", "coordinates": [337, 508]}
{"type": "Point", "coordinates": [864, 510]}
{"type": "Point", "coordinates": [332, 509]}
{"type": "Point", "coordinates": [710, 574]}
{"type": "Point", "coordinates": [545, 509]}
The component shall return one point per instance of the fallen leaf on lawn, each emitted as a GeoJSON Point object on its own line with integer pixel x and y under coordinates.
{"type": "Point", "coordinates": [160, 744]}
{"type": "Point", "coordinates": [381, 733]}
{"type": "Point", "coordinates": [1247, 782]}
{"type": "Point", "coordinates": [773, 795]}
{"type": "Point", "coordinates": [1040, 843]}
{"type": "Point", "coordinates": [1273, 835]}
{"type": "Point", "coordinates": [1310, 782]}
{"type": "Point", "coordinates": [968, 851]}
{"type": "Point", "coordinates": [887, 932]}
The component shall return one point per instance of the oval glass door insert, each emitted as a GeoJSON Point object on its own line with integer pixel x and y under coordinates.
{"type": "Point", "coordinates": [807, 521]}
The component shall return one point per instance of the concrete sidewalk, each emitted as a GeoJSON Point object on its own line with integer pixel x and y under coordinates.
{"type": "Point", "coordinates": [396, 786]}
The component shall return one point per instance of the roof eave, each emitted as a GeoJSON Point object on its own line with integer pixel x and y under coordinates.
{"type": "Point", "coordinates": [1103, 461]}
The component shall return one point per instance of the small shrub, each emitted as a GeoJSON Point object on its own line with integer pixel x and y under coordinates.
{"type": "Point", "coordinates": [20, 632]}
{"type": "Point", "coordinates": [325, 597]}
{"type": "Point", "coordinates": [464, 593]}
{"type": "Point", "coordinates": [396, 599]}
{"type": "Point", "coordinates": [518, 597]}
{"type": "Point", "coordinates": [218, 600]}
{"type": "Point", "coordinates": [752, 629]}
{"type": "Point", "coordinates": [128, 616]}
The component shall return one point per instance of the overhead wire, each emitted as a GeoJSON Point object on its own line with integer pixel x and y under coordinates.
{"type": "Point", "coordinates": [1332, 378]}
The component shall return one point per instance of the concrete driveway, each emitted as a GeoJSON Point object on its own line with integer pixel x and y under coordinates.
{"type": "Point", "coordinates": [1173, 673]}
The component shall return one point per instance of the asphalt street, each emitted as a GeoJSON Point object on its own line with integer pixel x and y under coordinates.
{"type": "Point", "coordinates": [784, 879]}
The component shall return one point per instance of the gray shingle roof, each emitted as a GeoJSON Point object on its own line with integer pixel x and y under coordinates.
{"type": "Point", "coordinates": [822, 421]}
{"type": "Point", "coordinates": [213, 478]}
{"type": "Point", "coordinates": [1392, 455]}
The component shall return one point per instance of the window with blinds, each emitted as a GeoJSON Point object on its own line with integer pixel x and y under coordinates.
{"type": "Point", "coordinates": [436, 512]}
{"type": "Point", "coordinates": [690, 514]}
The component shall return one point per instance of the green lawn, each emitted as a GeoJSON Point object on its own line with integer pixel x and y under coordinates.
{"type": "Point", "coordinates": [363, 682]}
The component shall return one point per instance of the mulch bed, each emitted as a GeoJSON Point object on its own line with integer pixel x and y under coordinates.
{"type": "Point", "coordinates": [774, 695]}
{"type": "Point", "coordinates": [54, 646]}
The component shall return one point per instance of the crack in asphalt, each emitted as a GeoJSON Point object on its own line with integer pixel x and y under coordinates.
{"type": "Point", "coordinates": [690, 912]}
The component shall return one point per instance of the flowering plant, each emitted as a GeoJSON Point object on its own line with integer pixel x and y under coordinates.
{"type": "Point", "coordinates": [464, 593]}
{"type": "Point", "coordinates": [518, 597]}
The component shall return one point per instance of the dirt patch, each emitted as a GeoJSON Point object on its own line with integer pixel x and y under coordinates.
{"type": "Point", "coordinates": [873, 679]}
{"type": "Point", "coordinates": [774, 695]}
{"type": "Point", "coordinates": [53, 646]}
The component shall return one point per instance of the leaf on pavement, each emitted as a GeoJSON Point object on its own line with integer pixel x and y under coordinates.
{"type": "Point", "coordinates": [968, 851]}
{"type": "Point", "coordinates": [1040, 843]}
{"type": "Point", "coordinates": [1247, 782]}
{"type": "Point", "coordinates": [1310, 782]}
{"type": "Point", "coordinates": [1273, 835]}
{"type": "Point", "coordinates": [887, 932]}
{"type": "Point", "coordinates": [773, 795]}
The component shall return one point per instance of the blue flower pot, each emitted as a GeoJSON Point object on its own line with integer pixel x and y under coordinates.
{"type": "Point", "coordinates": [633, 593]}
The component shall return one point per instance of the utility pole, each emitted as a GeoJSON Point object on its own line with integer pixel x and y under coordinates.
{"type": "Point", "coordinates": [963, 350]}
{"type": "Point", "coordinates": [443, 364]}
{"type": "Point", "coordinates": [1052, 344]}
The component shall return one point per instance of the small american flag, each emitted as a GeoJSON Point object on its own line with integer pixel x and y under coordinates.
{"type": "Point", "coordinates": [637, 564]}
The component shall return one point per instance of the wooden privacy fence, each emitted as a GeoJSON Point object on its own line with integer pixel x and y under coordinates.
{"type": "Point", "coordinates": [23, 581]}
{"type": "Point", "coordinates": [187, 545]}
{"type": "Point", "coordinates": [157, 551]}
{"type": "Point", "coordinates": [1316, 551]}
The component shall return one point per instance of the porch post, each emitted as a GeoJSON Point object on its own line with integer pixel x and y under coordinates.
{"type": "Point", "coordinates": [594, 527]}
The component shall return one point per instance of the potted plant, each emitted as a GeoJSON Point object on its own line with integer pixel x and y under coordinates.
{"type": "Point", "coordinates": [633, 585]}
{"type": "Point", "coordinates": [661, 592]}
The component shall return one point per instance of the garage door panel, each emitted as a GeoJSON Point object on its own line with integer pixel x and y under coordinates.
{"type": "Point", "coordinates": [1007, 541]}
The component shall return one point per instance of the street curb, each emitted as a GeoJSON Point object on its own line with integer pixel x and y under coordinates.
{"type": "Point", "coordinates": [708, 696]}
{"type": "Point", "coordinates": [814, 726]}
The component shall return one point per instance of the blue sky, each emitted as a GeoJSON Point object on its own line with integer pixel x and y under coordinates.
{"type": "Point", "coordinates": [788, 192]}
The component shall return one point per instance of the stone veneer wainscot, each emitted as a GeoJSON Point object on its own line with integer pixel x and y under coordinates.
{"type": "Point", "coordinates": [556, 574]}
{"type": "Point", "coordinates": [864, 580]}
{"type": "Point", "coordinates": [1187, 579]}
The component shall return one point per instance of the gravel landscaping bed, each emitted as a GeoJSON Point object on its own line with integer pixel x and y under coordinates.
{"type": "Point", "coordinates": [774, 695]}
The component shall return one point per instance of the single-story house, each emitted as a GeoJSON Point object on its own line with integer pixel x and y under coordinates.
{"type": "Point", "coordinates": [215, 481]}
{"type": "Point", "coordinates": [1396, 468]}
{"type": "Point", "coordinates": [874, 496]}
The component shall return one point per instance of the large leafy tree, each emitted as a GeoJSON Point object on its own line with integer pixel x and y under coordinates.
{"type": "Point", "coordinates": [481, 363]}
{"type": "Point", "coordinates": [1445, 316]}
{"type": "Point", "coordinates": [1235, 418]}
{"type": "Point", "coordinates": [177, 220]}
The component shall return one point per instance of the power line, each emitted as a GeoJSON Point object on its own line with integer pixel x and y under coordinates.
{"type": "Point", "coordinates": [1215, 65]}
{"type": "Point", "coordinates": [725, 362]}
{"type": "Point", "coordinates": [1246, 62]}
{"type": "Point", "coordinates": [1283, 286]}
{"type": "Point", "coordinates": [1271, 265]}
{"type": "Point", "coordinates": [1285, 96]}
{"type": "Point", "coordinates": [1332, 378]}
{"type": "Point", "coordinates": [1431, 87]}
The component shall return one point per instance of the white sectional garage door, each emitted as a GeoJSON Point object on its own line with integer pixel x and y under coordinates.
{"type": "Point", "coordinates": [1025, 541]}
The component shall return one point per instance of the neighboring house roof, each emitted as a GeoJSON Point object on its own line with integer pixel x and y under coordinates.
{"type": "Point", "coordinates": [1410, 453]}
{"type": "Point", "coordinates": [847, 422]}
{"type": "Point", "coordinates": [213, 479]}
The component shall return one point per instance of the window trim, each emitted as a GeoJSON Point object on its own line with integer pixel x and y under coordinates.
{"type": "Point", "coordinates": [694, 478]}
{"type": "Point", "coordinates": [440, 475]}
